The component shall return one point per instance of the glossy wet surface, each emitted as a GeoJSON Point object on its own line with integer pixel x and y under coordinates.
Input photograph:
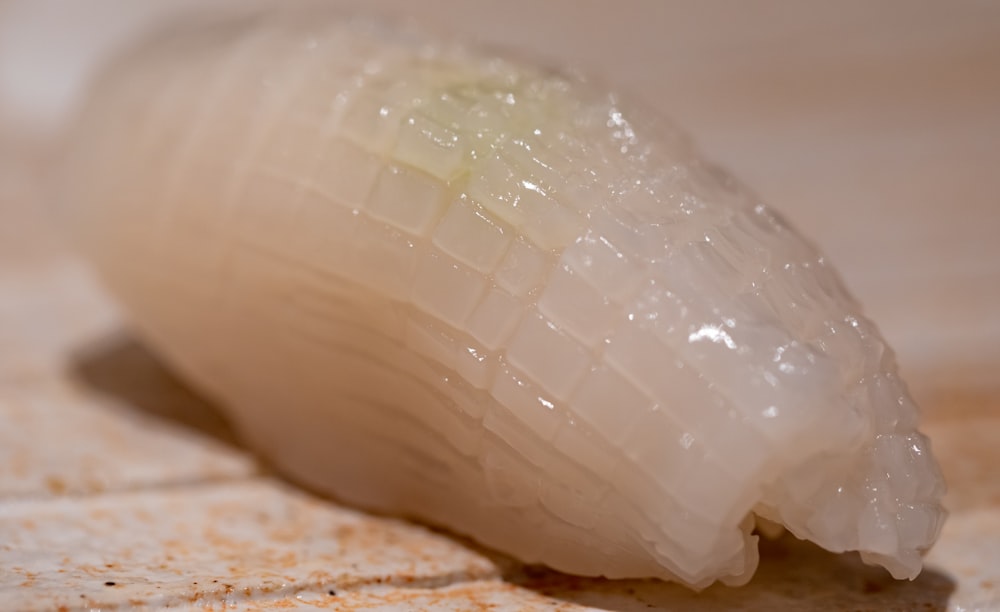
{"type": "Point", "coordinates": [120, 488]}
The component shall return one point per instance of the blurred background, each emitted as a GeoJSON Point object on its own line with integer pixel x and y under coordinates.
{"type": "Point", "coordinates": [873, 125]}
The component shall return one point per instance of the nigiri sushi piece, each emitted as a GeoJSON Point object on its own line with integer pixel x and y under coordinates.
{"type": "Point", "coordinates": [434, 282]}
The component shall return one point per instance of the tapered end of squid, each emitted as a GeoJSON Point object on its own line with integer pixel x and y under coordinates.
{"type": "Point", "coordinates": [882, 497]}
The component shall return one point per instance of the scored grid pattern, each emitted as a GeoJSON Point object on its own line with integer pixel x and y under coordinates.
{"type": "Point", "coordinates": [410, 202]}
{"type": "Point", "coordinates": [525, 255]}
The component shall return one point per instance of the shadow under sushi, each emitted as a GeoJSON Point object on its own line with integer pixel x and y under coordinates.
{"type": "Point", "coordinates": [793, 574]}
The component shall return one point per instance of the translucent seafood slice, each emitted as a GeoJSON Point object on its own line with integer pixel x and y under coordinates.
{"type": "Point", "coordinates": [493, 297]}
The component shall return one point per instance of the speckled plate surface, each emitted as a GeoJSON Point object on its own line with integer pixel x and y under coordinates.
{"type": "Point", "coordinates": [120, 488]}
